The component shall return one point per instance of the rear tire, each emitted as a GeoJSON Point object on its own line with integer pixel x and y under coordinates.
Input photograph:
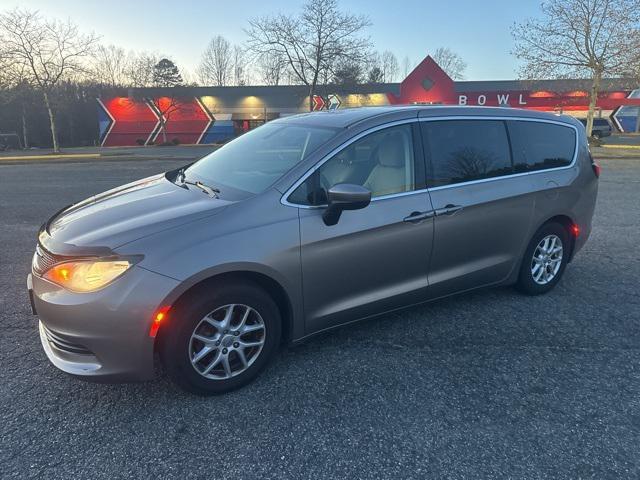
{"type": "Point", "coordinates": [220, 337]}
{"type": "Point", "coordinates": [544, 260]}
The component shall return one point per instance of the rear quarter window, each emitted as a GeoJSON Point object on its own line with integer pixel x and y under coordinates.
{"type": "Point", "coordinates": [539, 146]}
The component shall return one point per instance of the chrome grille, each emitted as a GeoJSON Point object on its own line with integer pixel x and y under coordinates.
{"type": "Point", "coordinates": [43, 260]}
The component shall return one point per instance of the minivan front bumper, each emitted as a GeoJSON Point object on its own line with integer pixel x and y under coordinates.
{"type": "Point", "coordinates": [102, 335]}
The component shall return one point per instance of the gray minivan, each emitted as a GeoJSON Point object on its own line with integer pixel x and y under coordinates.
{"type": "Point", "coordinates": [304, 224]}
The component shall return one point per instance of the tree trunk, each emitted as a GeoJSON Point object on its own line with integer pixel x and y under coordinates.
{"type": "Point", "coordinates": [52, 123]}
{"type": "Point", "coordinates": [72, 133]}
{"type": "Point", "coordinates": [164, 132]}
{"type": "Point", "coordinates": [311, 94]}
{"type": "Point", "coordinates": [25, 137]}
{"type": "Point", "coordinates": [593, 98]}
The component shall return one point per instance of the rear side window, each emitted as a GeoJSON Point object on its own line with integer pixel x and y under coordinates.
{"type": "Point", "coordinates": [538, 146]}
{"type": "Point", "coordinates": [465, 150]}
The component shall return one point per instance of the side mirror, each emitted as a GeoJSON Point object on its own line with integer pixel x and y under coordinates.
{"type": "Point", "coordinates": [344, 196]}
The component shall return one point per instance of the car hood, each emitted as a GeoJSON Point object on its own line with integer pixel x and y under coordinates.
{"type": "Point", "coordinates": [128, 213]}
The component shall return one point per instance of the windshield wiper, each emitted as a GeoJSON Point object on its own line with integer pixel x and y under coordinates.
{"type": "Point", "coordinates": [211, 191]}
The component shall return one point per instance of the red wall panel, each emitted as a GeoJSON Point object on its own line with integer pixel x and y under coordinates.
{"type": "Point", "coordinates": [133, 121]}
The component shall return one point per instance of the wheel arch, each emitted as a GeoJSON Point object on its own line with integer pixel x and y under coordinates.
{"type": "Point", "coordinates": [563, 219]}
{"type": "Point", "coordinates": [567, 223]}
{"type": "Point", "coordinates": [266, 282]}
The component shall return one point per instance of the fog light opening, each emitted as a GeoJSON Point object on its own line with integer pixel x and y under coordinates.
{"type": "Point", "coordinates": [159, 317]}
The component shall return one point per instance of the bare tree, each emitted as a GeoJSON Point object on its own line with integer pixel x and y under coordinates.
{"type": "Point", "coordinates": [139, 69]}
{"type": "Point", "coordinates": [239, 63]}
{"type": "Point", "coordinates": [290, 78]}
{"type": "Point", "coordinates": [389, 66]}
{"type": "Point", "coordinates": [313, 42]}
{"type": "Point", "coordinates": [450, 62]}
{"type": "Point", "coordinates": [580, 38]}
{"type": "Point", "coordinates": [5, 70]}
{"type": "Point", "coordinates": [14, 88]}
{"type": "Point", "coordinates": [374, 61]}
{"type": "Point", "coordinates": [165, 107]}
{"type": "Point", "coordinates": [381, 67]}
{"type": "Point", "coordinates": [46, 52]}
{"type": "Point", "coordinates": [189, 78]}
{"type": "Point", "coordinates": [406, 67]}
{"type": "Point", "coordinates": [216, 64]}
{"type": "Point", "coordinates": [272, 68]}
{"type": "Point", "coordinates": [110, 66]}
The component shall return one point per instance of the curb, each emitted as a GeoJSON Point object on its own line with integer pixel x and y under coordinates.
{"type": "Point", "coordinates": [625, 147]}
{"type": "Point", "coordinates": [52, 157]}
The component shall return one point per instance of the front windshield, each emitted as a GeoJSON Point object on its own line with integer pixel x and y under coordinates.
{"type": "Point", "coordinates": [258, 158]}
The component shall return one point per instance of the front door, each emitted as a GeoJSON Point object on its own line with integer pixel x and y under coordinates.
{"type": "Point", "coordinates": [374, 259]}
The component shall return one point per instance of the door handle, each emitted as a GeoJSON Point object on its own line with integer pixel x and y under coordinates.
{"type": "Point", "coordinates": [416, 217]}
{"type": "Point", "coordinates": [449, 209]}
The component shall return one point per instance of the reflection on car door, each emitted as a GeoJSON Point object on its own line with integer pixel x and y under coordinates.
{"type": "Point", "coordinates": [374, 259]}
{"type": "Point", "coordinates": [482, 218]}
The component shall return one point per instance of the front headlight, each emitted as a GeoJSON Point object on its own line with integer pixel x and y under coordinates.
{"type": "Point", "coordinates": [87, 275]}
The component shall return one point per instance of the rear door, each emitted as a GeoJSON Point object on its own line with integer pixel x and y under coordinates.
{"type": "Point", "coordinates": [483, 211]}
{"type": "Point", "coordinates": [546, 151]}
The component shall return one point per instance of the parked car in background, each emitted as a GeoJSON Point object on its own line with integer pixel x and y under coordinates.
{"type": "Point", "coordinates": [601, 127]}
{"type": "Point", "coordinates": [304, 224]}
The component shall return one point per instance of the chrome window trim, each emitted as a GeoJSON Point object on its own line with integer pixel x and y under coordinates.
{"type": "Point", "coordinates": [512, 175]}
{"type": "Point", "coordinates": [327, 157]}
{"type": "Point", "coordinates": [284, 199]}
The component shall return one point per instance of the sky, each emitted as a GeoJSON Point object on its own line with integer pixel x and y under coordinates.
{"type": "Point", "coordinates": [478, 31]}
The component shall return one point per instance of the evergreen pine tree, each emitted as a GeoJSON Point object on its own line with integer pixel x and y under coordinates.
{"type": "Point", "coordinates": [166, 74]}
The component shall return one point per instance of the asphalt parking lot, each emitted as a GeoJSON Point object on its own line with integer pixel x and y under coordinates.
{"type": "Point", "coordinates": [486, 385]}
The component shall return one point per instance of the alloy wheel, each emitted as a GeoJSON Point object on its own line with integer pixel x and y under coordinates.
{"type": "Point", "coordinates": [227, 341]}
{"type": "Point", "coordinates": [547, 259]}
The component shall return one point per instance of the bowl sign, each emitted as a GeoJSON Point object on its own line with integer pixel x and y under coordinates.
{"type": "Point", "coordinates": [502, 99]}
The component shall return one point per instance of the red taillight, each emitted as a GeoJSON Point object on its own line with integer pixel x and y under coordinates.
{"type": "Point", "coordinates": [158, 318]}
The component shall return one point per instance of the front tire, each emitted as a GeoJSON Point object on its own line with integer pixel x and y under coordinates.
{"type": "Point", "coordinates": [544, 260]}
{"type": "Point", "coordinates": [220, 337]}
